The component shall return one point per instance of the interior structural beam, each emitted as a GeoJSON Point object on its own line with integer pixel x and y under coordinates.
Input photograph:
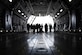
{"type": "Point", "coordinates": [49, 6]}
{"type": "Point", "coordinates": [31, 6]}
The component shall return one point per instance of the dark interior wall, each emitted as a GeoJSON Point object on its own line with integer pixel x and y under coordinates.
{"type": "Point", "coordinates": [78, 16]}
{"type": "Point", "coordinates": [2, 16]}
{"type": "Point", "coordinates": [80, 20]}
{"type": "Point", "coordinates": [5, 15]}
{"type": "Point", "coordinates": [19, 22]}
{"type": "Point", "coordinates": [16, 22]}
{"type": "Point", "coordinates": [64, 21]}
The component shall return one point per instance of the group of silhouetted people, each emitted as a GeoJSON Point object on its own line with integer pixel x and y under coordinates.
{"type": "Point", "coordinates": [39, 28]}
{"type": "Point", "coordinates": [50, 28]}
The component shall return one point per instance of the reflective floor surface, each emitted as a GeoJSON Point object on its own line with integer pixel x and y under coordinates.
{"type": "Point", "coordinates": [40, 44]}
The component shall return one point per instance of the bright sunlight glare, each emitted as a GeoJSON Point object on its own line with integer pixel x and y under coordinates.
{"type": "Point", "coordinates": [41, 20]}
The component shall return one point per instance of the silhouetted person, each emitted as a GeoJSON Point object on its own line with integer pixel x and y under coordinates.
{"type": "Point", "coordinates": [54, 27]}
{"type": "Point", "coordinates": [50, 27]}
{"type": "Point", "coordinates": [33, 28]}
{"type": "Point", "coordinates": [37, 27]}
{"type": "Point", "coordinates": [46, 28]}
{"type": "Point", "coordinates": [28, 27]}
{"type": "Point", "coordinates": [41, 27]}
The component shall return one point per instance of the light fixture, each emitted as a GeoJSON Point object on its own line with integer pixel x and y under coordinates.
{"type": "Point", "coordinates": [10, 30]}
{"type": "Point", "coordinates": [6, 30]}
{"type": "Point", "coordinates": [41, 3]}
{"type": "Point", "coordinates": [22, 13]}
{"type": "Point", "coordinates": [58, 13]}
{"type": "Point", "coordinates": [61, 10]}
{"type": "Point", "coordinates": [14, 30]}
{"type": "Point", "coordinates": [74, 30]}
{"type": "Point", "coordinates": [80, 38]}
{"type": "Point", "coordinates": [10, 0]}
{"type": "Point", "coordinates": [19, 11]}
{"type": "Point", "coordinates": [1, 30]}
{"type": "Point", "coordinates": [70, 0]}
{"type": "Point", "coordinates": [26, 18]}
{"type": "Point", "coordinates": [70, 30]}
{"type": "Point", "coordinates": [55, 16]}
{"type": "Point", "coordinates": [80, 30]}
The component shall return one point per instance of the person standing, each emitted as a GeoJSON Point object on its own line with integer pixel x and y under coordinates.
{"type": "Point", "coordinates": [50, 27]}
{"type": "Point", "coordinates": [54, 27]}
{"type": "Point", "coordinates": [28, 27]}
{"type": "Point", "coordinates": [46, 28]}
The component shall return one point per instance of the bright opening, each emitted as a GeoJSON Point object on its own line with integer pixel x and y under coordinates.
{"type": "Point", "coordinates": [30, 19]}
{"type": "Point", "coordinates": [42, 20]}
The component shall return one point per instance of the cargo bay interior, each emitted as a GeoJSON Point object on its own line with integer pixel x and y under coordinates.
{"type": "Point", "coordinates": [40, 27]}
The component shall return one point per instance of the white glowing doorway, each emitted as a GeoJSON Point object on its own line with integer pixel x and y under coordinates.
{"type": "Point", "coordinates": [42, 20]}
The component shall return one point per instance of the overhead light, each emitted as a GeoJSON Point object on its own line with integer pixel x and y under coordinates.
{"type": "Point", "coordinates": [58, 13]}
{"type": "Point", "coordinates": [80, 30]}
{"type": "Point", "coordinates": [1, 30]}
{"type": "Point", "coordinates": [22, 13]}
{"type": "Point", "coordinates": [74, 30]}
{"type": "Point", "coordinates": [6, 30]}
{"type": "Point", "coordinates": [41, 3]}
{"type": "Point", "coordinates": [61, 10]}
{"type": "Point", "coordinates": [10, 0]}
{"type": "Point", "coordinates": [19, 11]}
{"type": "Point", "coordinates": [55, 15]}
{"type": "Point", "coordinates": [26, 17]}
{"type": "Point", "coordinates": [70, 0]}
